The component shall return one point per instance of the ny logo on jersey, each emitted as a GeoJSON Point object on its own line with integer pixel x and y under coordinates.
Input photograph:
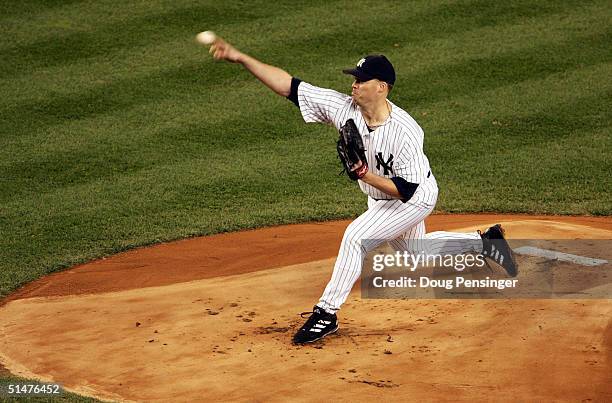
{"type": "Point", "coordinates": [387, 165]}
{"type": "Point", "coordinates": [359, 63]}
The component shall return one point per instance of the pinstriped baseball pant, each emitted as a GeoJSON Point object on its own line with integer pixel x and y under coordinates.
{"type": "Point", "coordinates": [400, 224]}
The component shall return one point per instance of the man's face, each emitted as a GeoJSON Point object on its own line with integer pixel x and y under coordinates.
{"type": "Point", "coordinates": [364, 92]}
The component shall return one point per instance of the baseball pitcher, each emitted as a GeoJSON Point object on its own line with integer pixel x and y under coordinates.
{"type": "Point", "coordinates": [381, 148]}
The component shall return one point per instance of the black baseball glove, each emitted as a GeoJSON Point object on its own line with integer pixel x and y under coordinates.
{"type": "Point", "coordinates": [351, 151]}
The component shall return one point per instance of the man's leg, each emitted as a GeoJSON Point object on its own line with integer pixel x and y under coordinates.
{"type": "Point", "coordinates": [383, 221]}
{"type": "Point", "coordinates": [452, 243]}
{"type": "Point", "coordinates": [438, 242]}
{"type": "Point", "coordinates": [491, 244]}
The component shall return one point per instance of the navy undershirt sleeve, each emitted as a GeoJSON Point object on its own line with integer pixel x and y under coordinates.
{"type": "Point", "coordinates": [405, 188]}
{"type": "Point", "coordinates": [293, 95]}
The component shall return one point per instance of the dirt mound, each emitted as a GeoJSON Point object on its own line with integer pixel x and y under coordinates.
{"type": "Point", "coordinates": [226, 337]}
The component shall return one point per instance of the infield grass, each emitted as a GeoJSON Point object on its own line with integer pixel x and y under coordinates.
{"type": "Point", "coordinates": [117, 130]}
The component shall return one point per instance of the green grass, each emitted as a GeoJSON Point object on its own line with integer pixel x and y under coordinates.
{"type": "Point", "coordinates": [7, 379]}
{"type": "Point", "coordinates": [117, 131]}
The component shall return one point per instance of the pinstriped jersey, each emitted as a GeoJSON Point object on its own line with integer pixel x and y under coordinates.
{"type": "Point", "coordinates": [393, 149]}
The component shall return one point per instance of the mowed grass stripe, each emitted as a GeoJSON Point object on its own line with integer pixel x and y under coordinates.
{"type": "Point", "coordinates": [447, 79]}
{"type": "Point", "coordinates": [103, 159]}
{"type": "Point", "coordinates": [105, 98]}
{"type": "Point", "coordinates": [116, 96]}
{"type": "Point", "coordinates": [15, 16]}
{"type": "Point", "coordinates": [29, 22]}
{"type": "Point", "coordinates": [505, 68]}
{"type": "Point", "coordinates": [470, 76]}
{"type": "Point", "coordinates": [78, 166]}
{"type": "Point", "coordinates": [511, 133]}
{"type": "Point", "coordinates": [127, 63]}
{"type": "Point", "coordinates": [549, 185]}
{"type": "Point", "coordinates": [178, 50]}
{"type": "Point", "coordinates": [502, 137]}
{"type": "Point", "coordinates": [443, 118]}
{"type": "Point", "coordinates": [515, 35]}
{"type": "Point", "coordinates": [502, 169]}
{"type": "Point", "coordinates": [107, 152]}
{"type": "Point", "coordinates": [184, 198]}
{"type": "Point", "coordinates": [521, 115]}
{"type": "Point", "coordinates": [130, 33]}
{"type": "Point", "coordinates": [410, 23]}
{"type": "Point", "coordinates": [70, 109]}
{"type": "Point", "coordinates": [410, 28]}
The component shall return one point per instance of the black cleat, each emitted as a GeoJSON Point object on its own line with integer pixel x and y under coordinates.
{"type": "Point", "coordinates": [496, 248]}
{"type": "Point", "coordinates": [319, 325]}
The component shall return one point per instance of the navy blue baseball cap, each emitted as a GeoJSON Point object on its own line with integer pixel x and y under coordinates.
{"type": "Point", "coordinates": [373, 66]}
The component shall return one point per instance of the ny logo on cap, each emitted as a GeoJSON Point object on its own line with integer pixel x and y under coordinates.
{"type": "Point", "coordinates": [359, 63]}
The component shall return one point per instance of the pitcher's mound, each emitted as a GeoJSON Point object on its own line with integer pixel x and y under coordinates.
{"type": "Point", "coordinates": [227, 337]}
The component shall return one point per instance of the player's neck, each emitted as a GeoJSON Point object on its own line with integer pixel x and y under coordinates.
{"type": "Point", "coordinates": [376, 114]}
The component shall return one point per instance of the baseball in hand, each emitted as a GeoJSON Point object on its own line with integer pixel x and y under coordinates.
{"type": "Point", "coordinates": [206, 37]}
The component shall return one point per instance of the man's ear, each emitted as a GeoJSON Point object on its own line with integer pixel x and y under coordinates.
{"type": "Point", "coordinates": [382, 86]}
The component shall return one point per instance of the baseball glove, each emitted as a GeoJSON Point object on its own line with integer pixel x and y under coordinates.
{"type": "Point", "coordinates": [351, 151]}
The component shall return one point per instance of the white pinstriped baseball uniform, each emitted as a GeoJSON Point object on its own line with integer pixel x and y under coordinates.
{"type": "Point", "coordinates": [393, 149]}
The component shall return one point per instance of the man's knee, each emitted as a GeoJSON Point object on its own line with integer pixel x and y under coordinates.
{"type": "Point", "coordinates": [358, 241]}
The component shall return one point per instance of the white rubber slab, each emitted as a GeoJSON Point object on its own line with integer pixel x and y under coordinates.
{"type": "Point", "coordinates": [554, 255]}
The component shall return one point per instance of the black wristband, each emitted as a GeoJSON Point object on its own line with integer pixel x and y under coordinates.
{"type": "Point", "coordinates": [293, 94]}
{"type": "Point", "coordinates": [406, 189]}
